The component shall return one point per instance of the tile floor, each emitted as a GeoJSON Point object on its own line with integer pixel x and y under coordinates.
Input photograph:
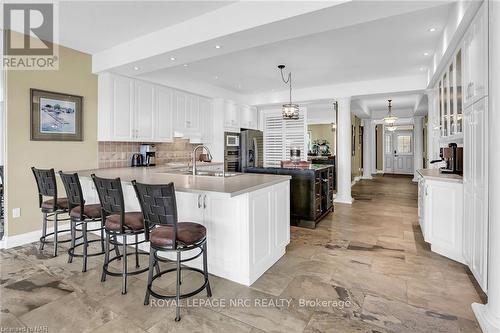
{"type": "Point", "coordinates": [364, 269]}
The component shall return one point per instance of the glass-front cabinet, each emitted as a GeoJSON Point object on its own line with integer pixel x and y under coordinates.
{"type": "Point", "coordinates": [450, 98]}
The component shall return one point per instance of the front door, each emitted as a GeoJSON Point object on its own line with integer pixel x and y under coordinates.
{"type": "Point", "coordinates": [398, 148]}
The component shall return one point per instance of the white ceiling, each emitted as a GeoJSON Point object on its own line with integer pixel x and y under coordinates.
{"type": "Point", "coordinates": [388, 47]}
{"type": "Point", "coordinates": [404, 105]}
{"type": "Point", "coordinates": [93, 26]}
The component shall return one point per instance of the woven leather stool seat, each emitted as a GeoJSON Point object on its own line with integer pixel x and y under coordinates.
{"type": "Point", "coordinates": [62, 203]}
{"type": "Point", "coordinates": [91, 211]}
{"type": "Point", "coordinates": [187, 232]}
{"type": "Point", "coordinates": [133, 220]}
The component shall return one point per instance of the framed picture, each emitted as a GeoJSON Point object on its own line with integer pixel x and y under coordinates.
{"type": "Point", "coordinates": [56, 116]}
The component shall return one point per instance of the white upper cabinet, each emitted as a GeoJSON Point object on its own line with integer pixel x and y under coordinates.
{"type": "Point", "coordinates": [180, 111]}
{"type": "Point", "coordinates": [206, 119]}
{"type": "Point", "coordinates": [231, 117]}
{"type": "Point", "coordinates": [192, 114]}
{"type": "Point", "coordinates": [476, 58]}
{"type": "Point", "coordinates": [134, 110]}
{"type": "Point", "coordinates": [248, 117]}
{"type": "Point", "coordinates": [163, 120]}
{"type": "Point", "coordinates": [115, 108]}
{"type": "Point", "coordinates": [144, 113]}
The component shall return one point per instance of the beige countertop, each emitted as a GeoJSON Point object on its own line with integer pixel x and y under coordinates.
{"type": "Point", "coordinates": [434, 174]}
{"type": "Point", "coordinates": [229, 186]}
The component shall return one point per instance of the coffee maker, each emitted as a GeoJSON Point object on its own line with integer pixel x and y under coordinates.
{"type": "Point", "coordinates": [148, 152]}
{"type": "Point", "coordinates": [453, 157]}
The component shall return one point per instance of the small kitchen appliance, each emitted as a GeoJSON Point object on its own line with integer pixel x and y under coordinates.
{"type": "Point", "coordinates": [137, 160]}
{"type": "Point", "coordinates": [148, 152]}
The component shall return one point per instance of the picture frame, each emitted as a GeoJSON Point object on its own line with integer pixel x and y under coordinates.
{"type": "Point", "coordinates": [55, 116]}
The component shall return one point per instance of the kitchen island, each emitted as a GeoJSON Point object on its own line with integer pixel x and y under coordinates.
{"type": "Point", "coordinates": [247, 216]}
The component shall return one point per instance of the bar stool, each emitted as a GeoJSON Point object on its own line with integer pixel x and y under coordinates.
{"type": "Point", "coordinates": [52, 208]}
{"type": "Point", "coordinates": [117, 223]}
{"type": "Point", "coordinates": [165, 233]}
{"type": "Point", "coordinates": [80, 215]}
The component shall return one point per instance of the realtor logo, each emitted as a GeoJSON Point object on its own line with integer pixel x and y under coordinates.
{"type": "Point", "coordinates": [29, 36]}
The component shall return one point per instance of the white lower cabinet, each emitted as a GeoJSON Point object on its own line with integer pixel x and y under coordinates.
{"type": "Point", "coordinates": [440, 215]}
{"type": "Point", "coordinates": [443, 216]}
{"type": "Point", "coordinates": [246, 234]}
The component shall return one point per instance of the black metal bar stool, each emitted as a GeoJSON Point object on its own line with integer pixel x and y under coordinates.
{"type": "Point", "coordinates": [165, 233]}
{"type": "Point", "coordinates": [80, 215]}
{"type": "Point", "coordinates": [52, 208]}
{"type": "Point", "coordinates": [117, 222]}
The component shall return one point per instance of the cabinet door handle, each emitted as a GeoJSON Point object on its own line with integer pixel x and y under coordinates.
{"type": "Point", "coordinates": [199, 198]}
{"type": "Point", "coordinates": [205, 201]}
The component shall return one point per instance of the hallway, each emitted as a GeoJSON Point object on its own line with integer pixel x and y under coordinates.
{"type": "Point", "coordinates": [364, 269]}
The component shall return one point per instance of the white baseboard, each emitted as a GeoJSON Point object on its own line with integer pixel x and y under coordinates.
{"type": "Point", "coordinates": [487, 324]}
{"type": "Point", "coordinates": [28, 237]}
{"type": "Point", "coordinates": [343, 200]}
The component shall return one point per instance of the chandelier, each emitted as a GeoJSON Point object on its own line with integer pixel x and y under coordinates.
{"type": "Point", "coordinates": [390, 119]}
{"type": "Point", "coordinates": [289, 110]}
{"type": "Point", "coordinates": [391, 128]}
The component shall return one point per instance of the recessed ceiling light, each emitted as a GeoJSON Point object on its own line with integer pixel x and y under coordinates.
{"type": "Point", "coordinates": [172, 58]}
{"type": "Point", "coordinates": [422, 69]}
{"type": "Point", "coordinates": [136, 68]}
{"type": "Point", "coordinates": [432, 29]}
{"type": "Point", "coordinates": [218, 46]}
{"type": "Point", "coordinates": [426, 54]}
{"type": "Point", "coordinates": [185, 65]}
{"type": "Point", "coordinates": [216, 77]}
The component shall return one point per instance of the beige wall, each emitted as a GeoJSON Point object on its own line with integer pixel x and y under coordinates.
{"type": "Point", "coordinates": [323, 132]}
{"type": "Point", "coordinates": [356, 158]}
{"type": "Point", "coordinates": [73, 77]}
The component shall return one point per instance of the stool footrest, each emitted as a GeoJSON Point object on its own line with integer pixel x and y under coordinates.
{"type": "Point", "coordinates": [105, 267]}
{"type": "Point", "coordinates": [186, 295]}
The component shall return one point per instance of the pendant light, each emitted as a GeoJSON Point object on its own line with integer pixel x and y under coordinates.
{"type": "Point", "coordinates": [390, 119]}
{"type": "Point", "coordinates": [289, 110]}
{"type": "Point", "coordinates": [391, 128]}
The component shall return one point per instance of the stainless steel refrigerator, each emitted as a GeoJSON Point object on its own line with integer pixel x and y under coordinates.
{"type": "Point", "coordinates": [252, 149]}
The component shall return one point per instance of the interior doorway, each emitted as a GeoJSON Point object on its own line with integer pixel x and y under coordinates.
{"type": "Point", "coordinates": [398, 152]}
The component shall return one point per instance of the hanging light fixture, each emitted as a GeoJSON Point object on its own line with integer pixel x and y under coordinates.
{"type": "Point", "coordinates": [391, 128]}
{"type": "Point", "coordinates": [289, 110]}
{"type": "Point", "coordinates": [390, 119]}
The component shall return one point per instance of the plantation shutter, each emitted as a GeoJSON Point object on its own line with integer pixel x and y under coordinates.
{"type": "Point", "coordinates": [280, 135]}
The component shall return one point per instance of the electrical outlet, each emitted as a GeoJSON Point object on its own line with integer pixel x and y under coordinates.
{"type": "Point", "coordinates": [16, 212]}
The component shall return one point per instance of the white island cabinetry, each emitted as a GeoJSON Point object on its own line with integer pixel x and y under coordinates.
{"type": "Point", "coordinates": [247, 217]}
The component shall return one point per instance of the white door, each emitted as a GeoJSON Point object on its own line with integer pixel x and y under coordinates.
{"type": "Point", "coordinates": [398, 148]}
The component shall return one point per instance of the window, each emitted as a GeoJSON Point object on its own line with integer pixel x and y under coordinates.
{"type": "Point", "coordinates": [388, 144]}
{"type": "Point", "coordinates": [404, 144]}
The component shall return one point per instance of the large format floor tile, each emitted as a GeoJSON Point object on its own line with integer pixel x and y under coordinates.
{"type": "Point", "coordinates": [365, 268]}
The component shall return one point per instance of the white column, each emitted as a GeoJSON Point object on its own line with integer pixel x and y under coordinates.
{"type": "Point", "coordinates": [368, 146]}
{"type": "Point", "coordinates": [488, 315]}
{"type": "Point", "coordinates": [343, 159]}
{"type": "Point", "coordinates": [418, 146]}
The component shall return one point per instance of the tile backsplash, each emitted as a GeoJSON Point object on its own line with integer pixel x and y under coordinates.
{"type": "Point", "coordinates": [119, 154]}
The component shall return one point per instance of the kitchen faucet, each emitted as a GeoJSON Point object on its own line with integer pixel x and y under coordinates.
{"type": "Point", "coordinates": [194, 156]}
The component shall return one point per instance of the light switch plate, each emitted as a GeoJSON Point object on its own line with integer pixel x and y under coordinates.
{"type": "Point", "coordinates": [16, 212]}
